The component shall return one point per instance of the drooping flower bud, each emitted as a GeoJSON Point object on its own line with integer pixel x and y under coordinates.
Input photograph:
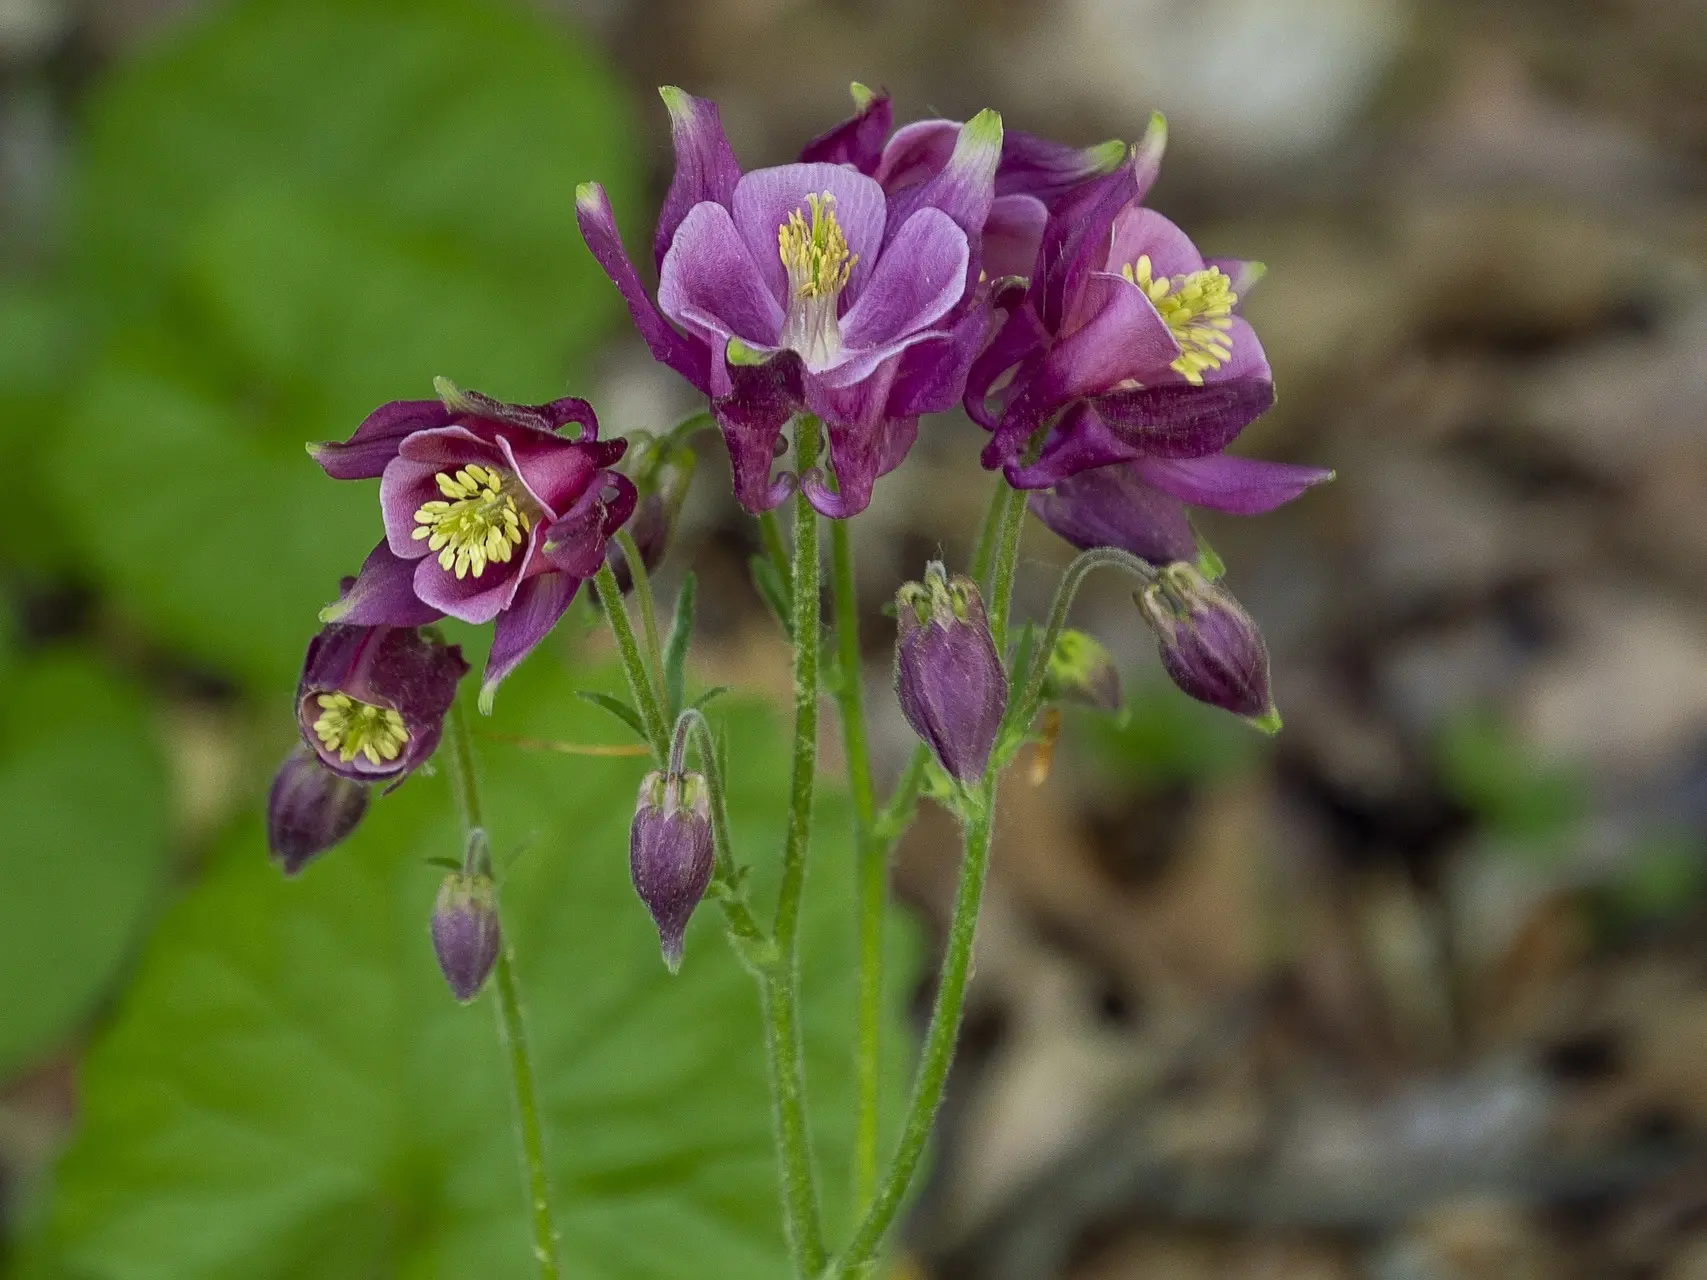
{"type": "Point", "coordinates": [465, 932]}
{"type": "Point", "coordinates": [670, 853]}
{"type": "Point", "coordinates": [1210, 646]}
{"type": "Point", "coordinates": [948, 675]}
{"type": "Point", "coordinates": [1081, 670]}
{"type": "Point", "coordinates": [371, 702]}
{"type": "Point", "coordinates": [309, 809]}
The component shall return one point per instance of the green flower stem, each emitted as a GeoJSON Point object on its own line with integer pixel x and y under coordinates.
{"type": "Point", "coordinates": [985, 547]}
{"type": "Point", "coordinates": [648, 609]}
{"type": "Point", "coordinates": [633, 664]}
{"type": "Point", "coordinates": [781, 996]}
{"type": "Point", "coordinates": [1007, 560]}
{"type": "Point", "coordinates": [949, 1007]}
{"type": "Point", "coordinates": [512, 1029]}
{"type": "Point", "coordinates": [871, 856]}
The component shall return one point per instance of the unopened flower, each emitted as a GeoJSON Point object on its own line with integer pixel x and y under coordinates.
{"type": "Point", "coordinates": [371, 701]}
{"type": "Point", "coordinates": [465, 932]}
{"type": "Point", "coordinates": [490, 514]}
{"type": "Point", "coordinates": [670, 854]}
{"type": "Point", "coordinates": [1081, 670]}
{"type": "Point", "coordinates": [662, 477]}
{"type": "Point", "coordinates": [1210, 646]}
{"type": "Point", "coordinates": [804, 288]}
{"type": "Point", "coordinates": [948, 677]}
{"type": "Point", "coordinates": [310, 809]}
{"type": "Point", "coordinates": [1126, 339]}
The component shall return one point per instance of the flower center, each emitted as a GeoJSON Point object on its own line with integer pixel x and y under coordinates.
{"type": "Point", "coordinates": [1198, 309]}
{"type": "Point", "coordinates": [477, 522]}
{"type": "Point", "coordinates": [353, 728]}
{"type": "Point", "coordinates": [818, 263]}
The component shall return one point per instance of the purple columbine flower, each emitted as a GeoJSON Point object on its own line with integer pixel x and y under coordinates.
{"type": "Point", "coordinates": [310, 809]}
{"type": "Point", "coordinates": [490, 514]}
{"type": "Point", "coordinates": [948, 677]}
{"type": "Point", "coordinates": [465, 932]}
{"type": "Point", "coordinates": [805, 288]}
{"type": "Point", "coordinates": [1127, 342]}
{"type": "Point", "coordinates": [670, 854]}
{"type": "Point", "coordinates": [1033, 176]}
{"type": "Point", "coordinates": [1210, 646]}
{"type": "Point", "coordinates": [371, 701]}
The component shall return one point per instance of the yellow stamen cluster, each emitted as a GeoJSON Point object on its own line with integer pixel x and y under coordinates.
{"type": "Point", "coordinates": [1198, 309]}
{"type": "Point", "coordinates": [816, 255]}
{"type": "Point", "coordinates": [353, 728]}
{"type": "Point", "coordinates": [477, 523]}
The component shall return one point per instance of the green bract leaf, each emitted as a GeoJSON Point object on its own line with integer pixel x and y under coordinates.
{"type": "Point", "coordinates": [288, 1091]}
{"type": "Point", "coordinates": [83, 811]}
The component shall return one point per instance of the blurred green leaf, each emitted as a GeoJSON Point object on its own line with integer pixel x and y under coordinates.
{"type": "Point", "coordinates": [1163, 736]}
{"type": "Point", "coordinates": [82, 807]}
{"type": "Point", "coordinates": [289, 1090]}
{"type": "Point", "coordinates": [1518, 795]}
{"type": "Point", "coordinates": [293, 213]}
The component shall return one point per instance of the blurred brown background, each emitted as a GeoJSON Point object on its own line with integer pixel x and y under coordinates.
{"type": "Point", "coordinates": [1419, 991]}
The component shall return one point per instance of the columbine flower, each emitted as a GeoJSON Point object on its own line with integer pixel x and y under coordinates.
{"type": "Point", "coordinates": [465, 932]}
{"type": "Point", "coordinates": [489, 514]}
{"type": "Point", "coordinates": [1141, 506]}
{"type": "Point", "coordinates": [948, 676]}
{"type": "Point", "coordinates": [803, 288]}
{"type": "Point", "coordinates": [371, 702]}
{"type": "Point", "coordinates": [1033, 175]}
{"type": "Point", "coordinates": [670, 854]}
{"type": "Point", "coordinates": [310, 809]}
{"type": "Point", "coordinates": [1127, 339]}
{"type": "Point", "coordinates": [1210, 647]}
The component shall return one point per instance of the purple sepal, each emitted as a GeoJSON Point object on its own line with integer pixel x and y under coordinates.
{"type": "Point", "coordinates": [858, 140]}
{"type": "Point", "coordinates": [705, 164]}
{"type": "Point", "coordinates": [948, 677]}
{"type": "Point", "coordinates": [465, 932]}
{"type": "Point", "coordinates": [310, 809]}
{"type": "Point", "coordinates": [1113, 507]}
{"type": "Point", "coordinates": [374, 443]}
{"type": "Point", "coordinates": [671, 854]}
{"type": "Point", "coordinates": [382, 595]}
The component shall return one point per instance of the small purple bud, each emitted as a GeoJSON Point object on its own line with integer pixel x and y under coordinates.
{"type": "Point", "coordinates": [465, 932]}
{"type": "Point", "coordinates": [948, 676]}
{"type": "Point", "coordinates": [309, 809]}
{"type": "Point", "coordinates": [670, 854]}
{"type": "Point", "coordinates": [1081, 670]}
{"type": "Point", "coordinates": [1210, 646]}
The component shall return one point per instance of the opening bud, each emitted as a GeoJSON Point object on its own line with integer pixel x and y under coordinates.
{"type": "Point", "coordinates": [670, 853]}
{"type": "Point", "coordinates": [310, 809]}
{"type": "Point", "coordinates": [465, 932]}
{"type": "Point", "coordinates": [948, 676]}
{"type": "Point", "coordinates": [1081, 670]}
{"type": "Point", "coordinates": [1210, 646]}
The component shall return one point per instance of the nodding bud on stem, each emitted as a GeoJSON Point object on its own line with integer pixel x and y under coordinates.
{"type": "Point", "coordinates": [670, 853]}
{"type": "Point", "coordinates": [948, 676]}
{"type": "Point", "coordinates": [465, 932]}
{"type": "Point", "coordinates": [1210, 646]}
{"type": "Point", "coordinates": [310, 809]}
{"type": "Point", "coordinates": [1080, 670]}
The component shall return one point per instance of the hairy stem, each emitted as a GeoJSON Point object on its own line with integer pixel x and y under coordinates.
{"type": "Point", "coordinates": [648, 609]}
{"type": "Point", "coordinates": [1007, 560]}
{"type": "Point", "coordinates": [640, 686]}
{"type": "Point", "coordinates": [512, 1028]}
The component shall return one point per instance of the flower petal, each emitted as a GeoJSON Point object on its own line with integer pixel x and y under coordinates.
{"type": "Point", "coordinates": [1113, 507]}
{"type": "Point", "coordinates": [1075, 243]}
{"type": "Point", "coordinates": [860, 454]}
{"type": "Point", "coordinates": [711, 286]}
{"type": "Point", "coordinates": [478, 599]}
{"type": "Point", "coordinates": [364, 455]}
{"type": "Point", "coordinates": [706, 168]}
{"type": "Point", "coordinates": [917, 152]}
{"type": "Point", "coordinates": [921, 275]}
{"type": "Point", "coordinates": [858, 140]}
{"type": "Point", "coordinates": [409, 479]}
{"type": "Point", "coordinates": [690, 359]}
{"type": "Point", "coordinates": [1139, 231]}
{"type": "Point", "coordinates": [765, 197]}
{"type": "Point", "coordinates": [382, 595]}
{"type": "Point", "coordinates": [1020, 337]}
{"type": "Point", "coordinates": [751, 417]}
{"type": "Point", "coordinates": [964, 187]}
{"type": "Point", "coordinates": [539, 603]}
{"type": "Point", "coordinates": [1242, 486]}
{"type": "Point", "coordinates": [1013, 233]}
{"type": "Point", "coordinates": [575, 543]}
{"type": "Point", "coordinates": [932, 374]}
{"type": "Point", "coordinates": [1178, 420]}
{"type": "Point", "coordinates": [1080, 442]}
{"type": "Point", "coordinates": [1048, 170]}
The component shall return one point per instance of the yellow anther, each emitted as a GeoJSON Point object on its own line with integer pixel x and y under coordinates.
{"type": "Point", "coordinates": [1198, 309]}
{"type": "Point", "coordinates": [480, 523]}
{"type": "Point", "coordinates": [816, 256]}
{"type": "Point", "coordinates": [351, 728]}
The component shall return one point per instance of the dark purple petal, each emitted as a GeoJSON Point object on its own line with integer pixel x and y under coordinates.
{"type": "Point", "coordinates": [1112, 506]}
{"type": "Point", "coordinates": [965, 186]}
{"type": "Point", "coordinates": [705, 164]}
{"type": "Point", "coordinates": [764, 199]}
{"type": "Point", "coordinates": [1012, 235]}
{"type": "Point", "coordinates": [1075, 243]}
{"type": "Point", "coordinates": [1034, 166]}
{"type": "Point", "coordinates": [383, 595]}
{"type": "Point", "coordinates": [477, 598]}
{"type": "Point", "coordinates": [712, 287]}
{"type": "Point", "coordinates": [1019, 337]}
{"type": "Point", "coordinates": [364, 455]}
{"type": "Point", "coordinates": [857, 141]}
{"type": "Point", "coordinates": [861, 453]}
{"type": "Point", "coordinates": [1080, 441]}
{"type": "Point", "coordinates": [917, 152]}
{"type": "Point", "coordinates": [932, 375]}
{"type": "Point", "coordinates": [1242, 486]}
{"type": "Point", "coordinates": [751, 418]}
{"type": "Point", "coordinates": [575, 542]}
{"type": "Point", "coordinates": [690, 359]}
{"type": "Point", "coordinates": [921, 276]}
{"type": "Point", "coordinates": [538, 604]}
{"type": "Point", "coordinates": [556, 475]}
{"type": "Point", "coordinates": [1179, 420]}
